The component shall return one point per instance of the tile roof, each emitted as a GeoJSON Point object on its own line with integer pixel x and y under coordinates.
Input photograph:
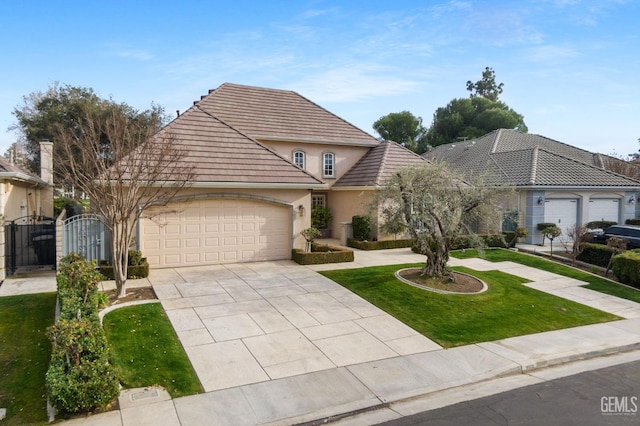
{"type": "Point", "coordinates": [221, 153]}
{"type": "Point", "coordinates": [8, 168]}
{"type": "Point", "coordinates": [378, 164]}
{"type": "Point", "coordinates": [271, 114]}
{"type": "Point", "coordinates": [514, 158]}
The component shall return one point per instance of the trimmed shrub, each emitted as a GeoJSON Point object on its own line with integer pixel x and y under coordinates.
{"type": "Point", "coordinates": [635, 221]}
{"type": "Point", "coordinates": [542, 226]}
{"type": "Point", "coordinates": [378, 245]}
{"type": "Point", "coordinates": [138, 267]}
{"type": "Point", "coordinates": [79, 378]}
{"type": "Point", "coordinates": [490, 240]}
{"type": "Point", "coordinates": [600, 224]}
{"type": "Point", "coordinates": [595, 254]}
{"type": "Point", "coordinates": [321, 254]}
{"type": "Point", "coordinates": [361, 227]}
{"type": "Point", "coordinates": [133, 272]}
{"type": "Point", "coordinates": [626, 266]}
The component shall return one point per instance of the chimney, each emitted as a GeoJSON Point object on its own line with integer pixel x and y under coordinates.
{"type": "Point", "coordinates": [46, 161]}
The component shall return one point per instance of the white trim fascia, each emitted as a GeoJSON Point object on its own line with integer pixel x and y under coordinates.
{"type": "Point", "coordinates": [579, 188]}
{"type": "Point", "coordinates": [315, 141]}
{"type": "Point", "coordinates": [354, 188]}
{"type": "Point", "coordinates": [257, 185]}
{"type": "Point", "coordinates": [23, 177]}
{"type": "Point", "coordinates": [242, 185]}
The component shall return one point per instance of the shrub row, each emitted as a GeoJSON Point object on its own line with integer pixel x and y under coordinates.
{"type": "Point", "coordinates": [378, 245]}
{"type": "Point", "coordinates": [595, 254]}
{"type": "Point", "coordinates": [321, 254]}
{"type": "Point", "coordinates": [626, 266]}
{"type": "Point", "coordinates": [79, 378]}
{"type": "Point", "coordinates": [632, 221]}
{"type": "Point", "coordinates": [138, 267]}
{"type": "Point", "coordinates": [600, 224]}
{"type": "Point", "coordinates": [490, 240]}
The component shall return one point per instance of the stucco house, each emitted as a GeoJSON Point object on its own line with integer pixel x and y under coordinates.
{"type": "Point", "coordinates": [262, 157]}
{"type": "Point", "coordinates": [23, 194]}
{"type": "Point", "coordinates": [554, 182]}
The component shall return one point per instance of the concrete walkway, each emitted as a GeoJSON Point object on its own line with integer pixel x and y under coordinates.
{"type": "Point", "coordinates": [278, 343]}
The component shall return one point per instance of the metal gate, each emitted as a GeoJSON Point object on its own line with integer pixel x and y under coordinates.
{"type": "Point", "coordinates": [30, 242]}
{"type": "Point", "coordinates": [88, 236]}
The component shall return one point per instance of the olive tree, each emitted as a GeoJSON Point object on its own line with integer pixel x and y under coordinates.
{"type": "Point", "coordinates": [123, 166]}
{"type": "Point", "coordinates": [437, 208]}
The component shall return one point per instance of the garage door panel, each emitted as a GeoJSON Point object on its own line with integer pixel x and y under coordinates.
{"type": "Point", "coordinates": [562, 212]}
{"type": "Point", "coordinates": [606, 209]}
{"type": "Point", "coordinates": [214, 231]}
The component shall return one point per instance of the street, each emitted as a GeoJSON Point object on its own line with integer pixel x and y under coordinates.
{"type": "Point", "coordinates": [609, 396]}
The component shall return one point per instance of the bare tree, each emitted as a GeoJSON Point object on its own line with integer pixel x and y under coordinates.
{"type": "Point", "coordinates": [123, 167]}
{"type": "Point", "coordinates": [579, 235]}
{"type": "Point", "coordinates": [437, 208]}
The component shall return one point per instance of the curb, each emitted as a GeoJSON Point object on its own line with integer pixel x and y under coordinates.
{"type": "Point", "coordinates": [521, 371]}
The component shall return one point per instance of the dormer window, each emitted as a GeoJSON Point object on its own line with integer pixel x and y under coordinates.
{"type": "Point", "coordinates": [299, 159]}
{"type": "Point", "coordinates": [328, 165]}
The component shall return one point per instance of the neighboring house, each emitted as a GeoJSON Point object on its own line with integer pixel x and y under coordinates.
{"type": "Point", "coordinates": [24, 200]}
{"type": "Point", "coordinates": [554, 182]}
{"type": "Point", "coordinates": [262, 159]}
{"type": "Point", "coordinates": [23, 195]}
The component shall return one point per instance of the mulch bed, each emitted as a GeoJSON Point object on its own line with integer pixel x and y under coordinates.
{"type": "Point", "coordinates": [133, 294]}
{"type": "Point", "coordinates": [462, 284]}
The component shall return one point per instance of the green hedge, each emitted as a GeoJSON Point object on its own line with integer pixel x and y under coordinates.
{"type": "Point", "coordinates": [626, 266]}
{"type": "Point", "coordinates": [602, 224]}
{"type": "Point", "coordinates": [138, 267]}
{"type": "Point", "coordinates": [595, 254]}
{"type": "Point", "coordinates": [490, 240]}
{"type": "Point", "coordinates": [544, 225]}
{"type": "Point", "coordinates": [635, 221]}
{"type": "Point", "coordinates": [133, 272]}
{"type": "Point", "coordinates": [79, 378]}
{"type": "Point", "coordinates": [378, 245]}
{"type": "Point", "coordinates": [321, 254]}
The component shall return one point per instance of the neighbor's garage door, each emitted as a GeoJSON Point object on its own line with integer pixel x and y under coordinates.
{"type": "Point", "coordinates": [604, 209]}
{"type": "Point", "coordinates": [563, 213]}
{"type": "Point", "coordinates": [212, 231]}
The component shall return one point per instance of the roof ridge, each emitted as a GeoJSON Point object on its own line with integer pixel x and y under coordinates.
{"type": "Point", "coordinates": [385, 153]}
{"type": "Point", "coordinates": [494, 146]}
{"type": "Point", "coordinates": [329, 112]}
{"type": "Point", "coordinates": [534, 165]}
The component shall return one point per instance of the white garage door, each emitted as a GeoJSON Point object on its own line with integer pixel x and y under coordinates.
{"type": "Point", "coordinates": [564, 213]}
{"type": "Point", "coordinates": [604, 209]}
{"type": "Point", "coordinates": [213, 231]}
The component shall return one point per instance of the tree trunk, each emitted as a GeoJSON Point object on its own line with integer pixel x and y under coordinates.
{"type": "Point", "coordinates": [120, 250]}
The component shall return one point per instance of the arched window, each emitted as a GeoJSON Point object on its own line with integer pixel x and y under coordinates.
{"type": "Point", "coordinates": [299, 159]}
{"type": "Point", "coordinates": [328, 165]}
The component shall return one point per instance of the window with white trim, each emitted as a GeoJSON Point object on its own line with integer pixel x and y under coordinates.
{"type": "Point", "coordinates": [318, 200]}
{"type": "Point", "coordinates": [299, 159]}
{"type": "Point", "coordinates": [328, 165]}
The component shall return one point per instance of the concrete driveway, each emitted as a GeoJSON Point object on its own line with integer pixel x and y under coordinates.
{"type": "Point", "coordinates": [256, 322]}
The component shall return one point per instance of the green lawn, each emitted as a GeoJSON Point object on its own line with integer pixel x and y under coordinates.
{"type": "Point", "coordinates": [506, 309]}
{"type": "Point", "coordinates": [595, 282]}
{"type": "Point", "coordinates": [145, 350]}
{"type": "Point", "coordinates": [25, 353]}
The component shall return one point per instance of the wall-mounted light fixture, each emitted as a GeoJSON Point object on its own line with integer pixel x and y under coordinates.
{"type": "Point", "coordinates": [540, 201]}
{"type": "Point", "coordinates": [632, 200]}
{"type": "Point", "coordinates": [301, 210]}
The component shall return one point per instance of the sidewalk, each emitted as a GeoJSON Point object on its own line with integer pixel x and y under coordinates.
{"type": "Point", "coordinates": [277, 343]}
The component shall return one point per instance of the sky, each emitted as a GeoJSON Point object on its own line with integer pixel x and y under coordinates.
{"type": "Point", "coordinates": [570, 67]}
